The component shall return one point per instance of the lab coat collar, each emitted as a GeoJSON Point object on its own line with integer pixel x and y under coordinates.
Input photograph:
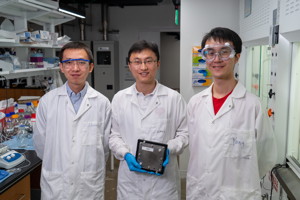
{"type": "Point", "coordinates": [85, 104]}
{"type": "Point", "coordinates": [90, 92]}
{"type": "Point", "coordinates": [239, 91]}
{"type": "Point", "coordinates": [157, 92]}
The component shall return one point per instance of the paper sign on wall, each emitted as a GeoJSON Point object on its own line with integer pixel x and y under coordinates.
{"type": "Point", "coordinates": [200, 75]}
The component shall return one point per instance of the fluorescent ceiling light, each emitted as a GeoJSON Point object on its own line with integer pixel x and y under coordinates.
{"type": "Point", "coordinates": [71, 13]}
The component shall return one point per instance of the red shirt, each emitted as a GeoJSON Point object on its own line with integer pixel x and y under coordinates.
{"type": "Point", "coordinates": [219, 102]}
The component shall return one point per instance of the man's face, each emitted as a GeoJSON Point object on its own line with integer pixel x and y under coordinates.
{"type": "Point", "coordinates": [143, 66]}
{"type": "Point", "coordinates": [76, 71]}
{"type": "Point", "coordinates": [219, 67]}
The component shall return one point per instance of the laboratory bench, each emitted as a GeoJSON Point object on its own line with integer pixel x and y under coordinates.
{"type": "Point", "coordinates": [18, 185]}
{"type": "Point", "coordinates": [289, 182]}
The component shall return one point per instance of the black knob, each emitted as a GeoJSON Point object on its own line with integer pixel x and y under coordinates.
{"type": "Point", "coordinates": [271, 93]}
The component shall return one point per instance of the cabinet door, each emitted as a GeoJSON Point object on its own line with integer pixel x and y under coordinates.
{"type": "Point", "coordinates": [21, 190]}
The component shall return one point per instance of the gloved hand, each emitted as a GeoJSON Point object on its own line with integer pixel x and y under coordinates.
{"type": "Point", "coordinates": [166, 161]}
{"type": "Point", "coordinates": [133, 165]}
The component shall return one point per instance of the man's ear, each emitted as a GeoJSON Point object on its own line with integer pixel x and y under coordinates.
{"type": "Point", "coordinates": [237, 57]}
{"type": "Point", "coordinates": [61, 67]}
{"type": "Point", "coordinates": [91, 67]}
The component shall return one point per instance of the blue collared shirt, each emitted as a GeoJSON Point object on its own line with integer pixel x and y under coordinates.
{"type": "Point", "coordinates": [76, 99]}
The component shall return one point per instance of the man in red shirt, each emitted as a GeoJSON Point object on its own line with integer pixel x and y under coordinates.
{"type": "Point", "coordinates": [231, 147]}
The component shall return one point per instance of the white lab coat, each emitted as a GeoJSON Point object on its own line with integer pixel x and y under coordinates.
{"type": "Point", "coordinates": [164, 121]}
{"type": "Point", "coordinates": [229, 151]}
{"type": "Point", "coordinates": [73, 147]}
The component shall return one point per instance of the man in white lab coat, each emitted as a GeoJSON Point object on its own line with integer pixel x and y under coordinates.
{"type": "Point", "coordinates": [231, 142]}
{"type": "Point", "coordinates": [71, 133]}
{"type": "Point", "coordinates": [150, 111]}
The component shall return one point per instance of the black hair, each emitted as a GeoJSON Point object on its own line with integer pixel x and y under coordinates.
{"type": "Point", "coordinates": [142, 45]}
{"type": "Point", "coordinates": [223, 35]}
{"type": "Point", "coordinates": [76, 45]}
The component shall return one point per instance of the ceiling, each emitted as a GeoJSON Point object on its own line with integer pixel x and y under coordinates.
{"type": "Point", "coordinates": [120, 3]}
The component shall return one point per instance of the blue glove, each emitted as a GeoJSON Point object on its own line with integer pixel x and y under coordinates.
{"type": "Point", "coordinates": [133, 165]}
{"type": "Point", "coordinates": [167, 159]}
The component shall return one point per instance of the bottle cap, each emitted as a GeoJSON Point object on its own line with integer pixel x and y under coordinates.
{"type": "Point", "coordinates": [15, 116]}
{"type": "Point", "coordinates": [27, 117]}
{"type": "Point", "coordinates": [35, 103]}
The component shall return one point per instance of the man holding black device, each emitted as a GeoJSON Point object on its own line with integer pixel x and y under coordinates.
{"type": "Point", "coordinates": [147, 111]}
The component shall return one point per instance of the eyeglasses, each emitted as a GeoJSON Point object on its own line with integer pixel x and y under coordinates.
{"type": "Point", "coordinates": [70, 63]}
{"type": "Point", "coordinates": [138, 63]}
{"type": "Point", "coordinates": [225, 52]}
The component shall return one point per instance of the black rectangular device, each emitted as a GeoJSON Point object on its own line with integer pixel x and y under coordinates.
{"type": "Point", "coordinates": [151, 155]}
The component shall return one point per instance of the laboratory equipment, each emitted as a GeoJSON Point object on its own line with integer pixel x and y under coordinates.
{"type": "Point", "coordinates": [106, 70]}
{"type": "Point", "coordinates": [9, 158]}
{"type": "Point", "coordinates": [151, 155]}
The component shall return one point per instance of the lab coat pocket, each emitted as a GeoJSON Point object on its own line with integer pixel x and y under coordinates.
{"type": "Point", "coordinates": [158, 130]}
{"type": "Point", "coordinates": [92, 133]}
{"type": "Point", "coordinates": [51, 184]}
{"type": "Point", "coordinates": [92, 185]}
{"type": "Point", "coordinates": [239, 144]}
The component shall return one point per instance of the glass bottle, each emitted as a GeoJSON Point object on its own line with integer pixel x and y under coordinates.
{"type": "Point", "coordinates": [22, 137]}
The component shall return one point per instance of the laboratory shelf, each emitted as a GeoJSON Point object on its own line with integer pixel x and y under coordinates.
{"type": "Point", "coordinates": [26, 72]}
{"type": "Point", "coordinates": [44, 46]}
{"type": "Point", "coordinates": [41, 12]}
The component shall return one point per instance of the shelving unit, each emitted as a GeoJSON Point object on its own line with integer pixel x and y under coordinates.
{"type": "Point", "coordinates": [27, 72]}
{"type": "Point", "coordinates": [41, 12]}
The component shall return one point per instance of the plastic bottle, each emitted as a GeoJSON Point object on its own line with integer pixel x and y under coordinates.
{"type": "Point", "coordinates": [16, 110]}
{"type": "Point", "coordinates": [28, 123]}
{"type": "Point", "coordinates": [29, 108]}
{"type": "Point", "coordinates": [15, 123]}
{"type": "Point", "coordinates": [35, 103]}
{"type": "Point", "coordinates": [22, 136]}
{"type": "Point", "coordinates": [36, 58]}
{"type": "Point", "coordinates": [8, 129]}
{"type": "Point", "coordinates": [21, 116]}
{"type": "Point", "coordinates": [15, 120]}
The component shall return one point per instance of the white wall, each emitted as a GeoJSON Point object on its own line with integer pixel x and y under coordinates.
{"type": "Point", "coordinates": [197, 18]}
{"type": "Point", "coordinates": [170, 62]}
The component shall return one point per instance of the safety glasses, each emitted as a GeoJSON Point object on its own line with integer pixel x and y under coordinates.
{"type": "Point", "coordinates": [70, 63]}
{"type": "Point", "coordinates": [224, 52]}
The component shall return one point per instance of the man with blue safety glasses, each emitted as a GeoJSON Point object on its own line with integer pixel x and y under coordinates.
{"type": "Point", "coordinates": [231, 141]}
{"type": "Point", "coordinates": [150, 111]}
{"type": "Point", "coordinates": [71, 133]}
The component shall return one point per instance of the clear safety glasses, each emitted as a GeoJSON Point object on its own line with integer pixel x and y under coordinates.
{"type": "Point", "coordinates": [138, 63]}
{"type": "Point", "coordinates": [70, 63]}
{"type": "Point", "coordinates": [224, 52]}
